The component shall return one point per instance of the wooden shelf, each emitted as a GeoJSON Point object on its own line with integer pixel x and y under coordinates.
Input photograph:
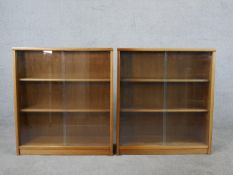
{"type": "Point", "coordinates": [138, 80]}
{"type": "Point", "coordinates": [62, 80]}
{"type": "Point", "coordinates": [68, 141]}
{"type": "Point", "coordinates": [63, 110]}
{"type": "Point", "coordinates": [167, 145]}
{"type": "Point", "coordinates": [164, 110]}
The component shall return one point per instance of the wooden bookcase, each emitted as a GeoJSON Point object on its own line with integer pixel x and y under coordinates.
{"type": "Point", "coordinates": [63, 100]}
{"type": "Point", "coordinates": [165, 101]}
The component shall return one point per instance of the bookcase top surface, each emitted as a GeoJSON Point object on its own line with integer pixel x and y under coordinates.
{"type": "Point", "coordinates": [59, 49]}
{"type": "Point", "coordinates": [169, 49]}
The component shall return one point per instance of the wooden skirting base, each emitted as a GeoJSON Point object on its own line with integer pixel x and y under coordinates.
{"type": "Point", "coordinates": [64, 151]}
{"type": "Point", "coordinates": [162, 150]}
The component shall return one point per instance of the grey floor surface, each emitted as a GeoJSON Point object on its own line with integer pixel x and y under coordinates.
{"type": "Point", "coordinates": [220, 162]}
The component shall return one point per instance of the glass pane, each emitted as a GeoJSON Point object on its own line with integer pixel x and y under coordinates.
{"type": "Point", "coordinates": [192, 95]}
{"type": "Point", "coordinates": [138, 128]}
{"type": "Point", "coordinates": [64, 98]}
{"type": "Point", "coordinates": [187, 97]}
{"type": "Point", "coordinates": [87, 100]}
{"type": "Point", "coordinates": [41, 64]}
{"type": "Point", "coordinates": [42, 95]}
{"type": "Point", "coordinates": [141, 94]}
{"type": "Point", "coordinates": [39, 97]}
{"type": "Point", "coordinates": [188, 65]}
{"type": "Point", "coordinates": [144, 65]}
{"type": "Point", "coordinates": [186, 128]}
{"type": "Point", "coordinates": [86, 65]}
{"type": "Point", "coordinates": [41, 129]}
{"type": "Point", "coordinates": [87, 129]}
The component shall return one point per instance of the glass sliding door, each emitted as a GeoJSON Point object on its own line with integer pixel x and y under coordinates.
{"type": "Point", "coordinates": [87, 98]}
{"type": "Point", "coordinates": [187, 97]}
{"type": "Point", "coordinates": [142, 96]}
{"type": "Point", "coordinates": [40, 98]}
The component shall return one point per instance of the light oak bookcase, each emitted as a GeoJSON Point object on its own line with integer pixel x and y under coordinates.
{"type": "Point", "coordinates": [63, 100]}
{"type": "Point", "coordinates": [165, 101]}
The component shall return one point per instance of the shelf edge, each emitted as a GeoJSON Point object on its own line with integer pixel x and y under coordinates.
{"type": "Point", "coordinates": [62, 110]}
{"type": "Point", "coordinates": [62, 80]}
{"type": "Point", "coordinates": [165, 80]}
{"type": "Point", "coordinates": [164, 110]}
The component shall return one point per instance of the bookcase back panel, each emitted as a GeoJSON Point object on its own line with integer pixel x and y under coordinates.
{"type": "Point", "coordinates": [64, 64]}
{"type": "Point", "coordinates": [65, 129]}
{"type": "Point", "coordinates": [140, 95]}
{"type": "Point", "coordinates": [142, 65]}
{"type": "Point", "coordinates": [188, 65]}
{"type": "Point", "coordinates": [187, 95]}
{"type": "Point", "coordinates": [186, 128]}
{"type": "Point", "coordinates": [149, 129]}
{"type": "Point", "coordinates": [65, 95]}
{"type": "Point", "coordinates": [87, 129]}
{"type": "Point", "coordinates": [155, 96]}
{"type": "Point", "coordinates": [87, 65]}
{"type": "Point", "coordinates": [141, 128]}
{"type": "Point", "coordinates": [41, 129]}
